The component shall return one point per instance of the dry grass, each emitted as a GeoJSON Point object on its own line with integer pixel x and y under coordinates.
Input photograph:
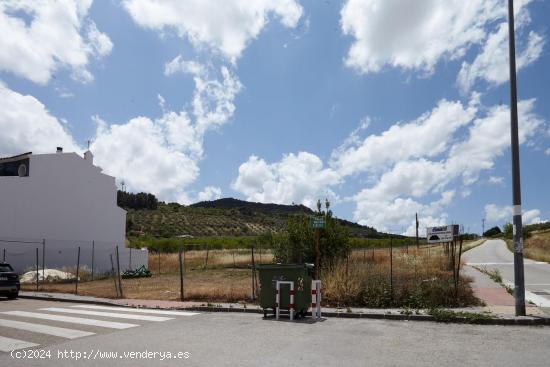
{"type": "Point", "coordinates": [238, 258]}
{"type": "Point", "coordinates": [420, 279]}
{"type": "Point", "coordinates": [226, 277]}
{"type": "Point", "coordinates": [211, 285]}
{"type": "Point", "coordinates": [537, 247]}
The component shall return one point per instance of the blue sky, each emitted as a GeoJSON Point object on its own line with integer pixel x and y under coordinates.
{"type": "Point", "coordinates": [386, 107]}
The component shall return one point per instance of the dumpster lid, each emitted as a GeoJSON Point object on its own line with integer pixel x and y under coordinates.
{"type": "Point", "coordinates": [286, 266]}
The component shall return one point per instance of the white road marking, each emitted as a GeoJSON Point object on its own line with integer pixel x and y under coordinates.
{"type": "Point", "coordinates": [107, 314]}
{"type": "Point", "coordinates": [505, 263]}
{"type": "Point", "coordinates": [45, 329]}
{"type": "Point", "coordinates": [530, 296]}
{"type": "Point", "coordinates": [139, 310]}
{"type": "Point", "coordinates": [9, 344]}
{"type": "Point", "coordinates": [74, 320]}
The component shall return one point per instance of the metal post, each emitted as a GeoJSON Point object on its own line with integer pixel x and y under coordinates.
{"type": "Point", "coordinates": [37, 269]}
{"type": "Point", "coordinates": [77, 270]}
{"type": "Point", "coordinates": [277, 299]}
{"type": "Point", "coordinates": [43, 256]}
{"type": "Point", "coordinates": [113, 273]}
{"type": "Point", "coordinates": [207, 251]}
{"type": "Point", "coordinates": [183, 258]}
{"type": "Point", "coordinates": [93, 251]}
{"type": "Point", "coordinates": [519, 280]}
{"type": "Point", "coordinates": [458, 268]}
{"type": "Point", "coordinates": [253, 273]}
{"type": "Point", "coordinates": [317, 253]}
{"type": "Point", "coordinates": [417, 242]}
{"type": "Point", "coordinates": [391, 268]}
{"type": "Point", "coordinates": [118, 272]}
{"type": "Point", "coordinates": [181, 274]}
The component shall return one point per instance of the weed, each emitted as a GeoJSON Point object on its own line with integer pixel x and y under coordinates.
{"type": "Point", "coordinates": [443, 315]}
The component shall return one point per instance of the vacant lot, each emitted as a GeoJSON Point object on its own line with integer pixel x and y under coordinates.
{"type": "Point", "coordinates": [371, 277]}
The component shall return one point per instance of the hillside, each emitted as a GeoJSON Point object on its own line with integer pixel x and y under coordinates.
{"type": "Point", "coordinates": [223, 217]}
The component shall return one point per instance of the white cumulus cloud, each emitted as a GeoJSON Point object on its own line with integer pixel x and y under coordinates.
{"type": "Point", "coordinates": [162, 155]}
{"type": "Point", "coordinates": [491, 64]}
{"type": "Point", "coordinates": [58, 35]}
{"type": "Point", "coordinates": [427, 136]}
{"type": "Point", "coordinates": [413, 34]}
{"type": "Point", "coordinates": [226, 26]}
{"type": "Point", "coordinates": [297, 178]}
{"type": "Point", "coordinates": [210, 193]}
{"type": "Point", "coordinates": [29, 126]}
{"type": "Point", "coordinates": [408, 186]}
{"type": "Point", "coordinates": [498, 214]}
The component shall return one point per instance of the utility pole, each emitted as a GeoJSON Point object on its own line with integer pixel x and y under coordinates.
{"type": "Point", "coordinates": [417, 243]}
{"type": "Point", "coordinates": [519, 278]}
{"type": "Point", "coordinates": [482, 227]}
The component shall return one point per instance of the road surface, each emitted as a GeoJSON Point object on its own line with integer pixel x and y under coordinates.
{"type": "Point", "coordinates": [494, 254]}
{"type": "Point", "coordinates": [236, 339]}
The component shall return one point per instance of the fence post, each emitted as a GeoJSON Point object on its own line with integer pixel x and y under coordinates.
{"type": "Point", "coordinates": [77, 270]}
{"type": "Point", "coordinates": [43, 256]}
{"type": "Point", "coordinates": [37, 269]}
{"type": "Point", "coordinates": [183, 259]}
{"type": "Point", "coordinates": [93, 253]}
{"type": "Point", "coordinates": [253, 274]}
{"type": "Point", "coordinates": [391, 269]}
{"type": "Point", "coordinates": [458, 269]}
{"type": "Point", "coordinates": [207, 251]}
{"type": "Point", "coordinates": [113, 274]}
{"type": "Point", "coordinates": [118, 272]}
{"type": "Point", "coordinates": [181, 274]}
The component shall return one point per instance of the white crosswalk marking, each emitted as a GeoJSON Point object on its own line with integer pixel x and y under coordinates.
{"type": "Point", "coordinates": [45, 329]}
{"type": "Point", "coordinates": [139, 310]}
{"type": "Point", "coordinates": [9, 344]}
{"type": "Point", "coordinates": [74, 320]}
{"type": "Point", "coordinates": [107, 314]}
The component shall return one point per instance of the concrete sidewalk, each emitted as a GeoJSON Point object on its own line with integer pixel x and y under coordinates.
{"type": "Point", "coordinates": [489, 315]}
{"type": "Point", "coordinates": [496, 298]}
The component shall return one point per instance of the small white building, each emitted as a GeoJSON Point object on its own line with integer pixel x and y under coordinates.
{"type": "Point", "coordinates": [61, 199]}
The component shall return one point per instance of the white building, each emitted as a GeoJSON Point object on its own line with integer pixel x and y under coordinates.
{"type": "Point", "coordinates": [64, 199]}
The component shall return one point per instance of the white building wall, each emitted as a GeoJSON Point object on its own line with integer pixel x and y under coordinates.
{"type": "Point", "coordinates": [67, 201]}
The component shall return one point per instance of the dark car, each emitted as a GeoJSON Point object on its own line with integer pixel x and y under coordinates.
{"type": "Point", "coordinates": [9, 281]}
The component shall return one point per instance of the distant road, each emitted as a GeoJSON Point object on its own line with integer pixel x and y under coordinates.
{"type": "Point", "coordinates": [494, 254]}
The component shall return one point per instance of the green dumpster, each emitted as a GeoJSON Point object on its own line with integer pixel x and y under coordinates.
{"type": "Point", "coordinates": [300, 274]}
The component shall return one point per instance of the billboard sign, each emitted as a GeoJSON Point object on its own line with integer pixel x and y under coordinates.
{"type": "Point", "coordinates": [442, 233]}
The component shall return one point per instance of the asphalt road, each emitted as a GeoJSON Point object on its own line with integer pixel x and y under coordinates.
{"type": "Point", "coordinates": [494, 254]}
{"type": "Point", "coordinates": [234, 339]}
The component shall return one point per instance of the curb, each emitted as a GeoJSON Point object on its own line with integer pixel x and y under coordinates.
{"type": "Point", "coordinates": [512, 321]}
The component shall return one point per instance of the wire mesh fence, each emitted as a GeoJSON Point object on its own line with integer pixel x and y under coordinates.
{"type": "Point", "coordinates": [384, 277]}
{"type": "Point", "coordinates": [60, 265]}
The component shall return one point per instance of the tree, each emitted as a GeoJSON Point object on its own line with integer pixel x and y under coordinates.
{"type": "Point", "coordinates": [492, 232]}
{"type": "Point", "coordinates": [298, 246]}
{"type": "Point", "coordinates": [509, 231]}
{"type": "Point", "coordinates": [140, 200]}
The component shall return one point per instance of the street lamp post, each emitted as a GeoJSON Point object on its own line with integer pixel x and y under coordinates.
{"type": "Point", "coordinates": [519, 279]}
